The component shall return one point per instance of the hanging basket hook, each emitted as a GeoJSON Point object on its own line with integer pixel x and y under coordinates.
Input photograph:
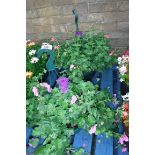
{"type": "Point", "coordinates": [76, 19]}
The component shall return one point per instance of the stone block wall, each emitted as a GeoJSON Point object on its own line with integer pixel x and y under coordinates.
{"type": "Point", "coordinates": [45, 17]}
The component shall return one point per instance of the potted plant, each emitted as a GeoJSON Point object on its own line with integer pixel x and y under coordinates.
{"type": "Point", "coordinates": [72, 103]}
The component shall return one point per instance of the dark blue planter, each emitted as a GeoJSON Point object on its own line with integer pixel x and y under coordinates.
{"type": "Point", "coordinates": [94, 145]}
{"type": "Point", "coordinates": [28, 134]}
{"type": "Point", "coordinates": [103, 146]}
{"type": "Point", "coordinates": [30, 150]}
{"type": "Point", "coordinates": [82, 139]}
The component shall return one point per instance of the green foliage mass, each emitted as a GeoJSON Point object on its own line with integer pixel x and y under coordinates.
{"type": "Point", "coordinates": [87, 53]}
{"type": "Point", "coordinates": [51, 114]}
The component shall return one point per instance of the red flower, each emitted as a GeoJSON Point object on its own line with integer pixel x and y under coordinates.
{"type": "Point", "coordinates": [127, 52]}
{"type": "Point", "coordinates": [125, 107]}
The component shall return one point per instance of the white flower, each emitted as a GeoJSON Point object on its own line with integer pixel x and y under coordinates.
{"type": "Point", "coordinates": [34, 60]}
{"type": "Point", "coordinates": [32, 52]}
{"type": "Point", "coordinates": [72, 67]}
{"type": "Point", "coordinates": [125, 97]}
{"type": "Point", "coordinates": [28, 41]}
{"type": "Point", "coordinates": [119, 59]}
{"type": "Point", "coordinates": [121, 80]}
{"type": "Point", "coordinates": [73, 99]}
{"type": "Point", "coordinates": [45, 71]}
{"type": "Point", "coordinates": [123, 70]}
{"type": "Point", "coordinates": [102, 123]}
{"type": "Point", "coordinates": [46, 46]}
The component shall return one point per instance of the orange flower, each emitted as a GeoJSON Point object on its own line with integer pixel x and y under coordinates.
{"type": "Point", "coordinates": [29, 74]}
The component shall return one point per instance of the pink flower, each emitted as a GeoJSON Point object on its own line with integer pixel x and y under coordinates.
{"type": "Point", "coordinates": [49, 89]}
{"type": "Point", "coordinates": [123, 139]}
{"type": "Point", "coordinates": [127, 52]}
{"type": "Point", "coordinates": [47, 86]}
{"type": "Point", "coordinates": [125, 113]}
{"type": "Point", "coordinates": [35, 91]}
{"type": "Point", "coordinates": [125, 58]}
{"type": "Point", "coordinates": [107, 36]}
{"type": "Point", "coordinates": [52, 39]}
{"type": "Point", "coordinates": [56, 47]}
{"type": "Point", "coordinates": [73, 99]}
{"type": "Point", "coordinates": [124, 149]}
{"type": "Point", "coordinates": [123, 69]}
{"type": "Point", "coordinates": [93, 129]}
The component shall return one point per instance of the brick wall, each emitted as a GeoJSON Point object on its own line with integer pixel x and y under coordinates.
{"type": "Point", "coordinates": [45, 17]}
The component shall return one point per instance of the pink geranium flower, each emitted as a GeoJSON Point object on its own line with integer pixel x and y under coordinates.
{"type": "Point", "coordinates": [123, 69]}
{"type": "Point", "coordinates": [73, 99]}
{"type": "Point", "coordinates": [93, 129]}
{"type": "Point", "coordinates": [123, 138]}
{"type": "Point", "coordinates": [124, 149]}
{"type": "Point", "coordinates": [52, 39]}
{"type": "Point", "coordinates": [127, 52]}
{"type": "Point", "coordinates": [121, 141]}
{"type": "Point", "coordinates": [56, 47]}
{"type": "Point", "coordinates": [107, 36]}
{"type": "Point", "coordinates": [35, 91]}
{"type": "Point", "coordinates": [125, 113]}
{"type": "Point", "coordinates": [47, 86]}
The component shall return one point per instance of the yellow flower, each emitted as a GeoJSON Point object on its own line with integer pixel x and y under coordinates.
{"type": "Point", "coordinates": [29, 74]}
{"type": "Point", "coordinates": [31, 43]}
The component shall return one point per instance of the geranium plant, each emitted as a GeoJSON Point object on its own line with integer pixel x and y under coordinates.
{"type": "Point", "coordinates": [56, 113]}
{"type": "Point", "coordinates": [125, 110]}
{"type": "Point", "coordinates": [123, 65]}
{"type": "Point", "coordinates": [67, 107]}
{"type": "Point", "coordinates": [80, 55]}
